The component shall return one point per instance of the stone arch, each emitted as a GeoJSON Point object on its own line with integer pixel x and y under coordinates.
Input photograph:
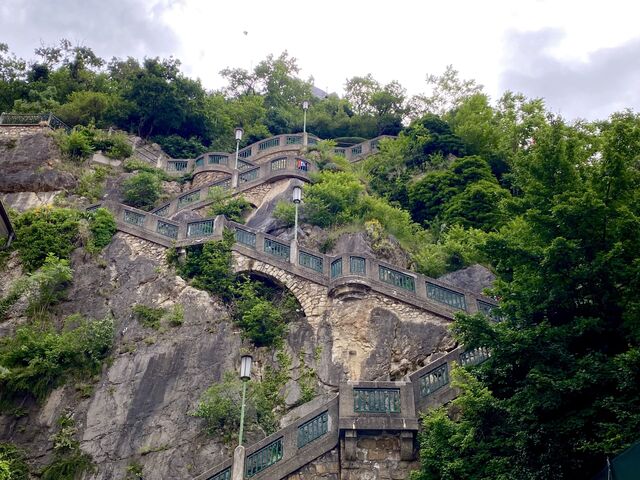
{"type": "Point", "coordinates": [311, 296]}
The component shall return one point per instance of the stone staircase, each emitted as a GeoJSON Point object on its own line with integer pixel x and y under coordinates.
{"type": "Point", "coordinates": [359, 407]}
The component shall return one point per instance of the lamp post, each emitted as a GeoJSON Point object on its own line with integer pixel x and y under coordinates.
{"type": "Point", "coordinates": [239, 132]}
{"type": "Point", "coordinates": [305, 107]}
{"type": "Point", "coordinates": [245, 375]}
{"type": "Point", "coordinates": [297, 198]}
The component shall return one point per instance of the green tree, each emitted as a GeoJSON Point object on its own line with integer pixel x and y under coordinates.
{"type": "Point", "coordinates": [563, 375]}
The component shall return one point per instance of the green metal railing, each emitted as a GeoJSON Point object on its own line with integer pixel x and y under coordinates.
{"type": "Point", "coordinates": [336, 268]}
{"type": "Point", "coordinates": [272, 142]}
{"type": "Point", "coordinates": [310, 261]}
{"type": "Point", "coordinates": [17, 119]}
{"type": "Point", "coordinates": [276, 248]}
{"type": "Point", "coordinates": [226, 183]}
{"type": "Point", "coordinates": [444, 295]}
{"type": "Point", "coordinates": [397, 279]}
{"type": "Point", "coordinates": [200, 229]}
{"type": "Point", "coordinates": [199, 162]}
{"type": "Point", "coordinates": [376, 400]}
{"type": "Point", "coordinates": [216, 159]}
{"type": "Point", "coordinates": [248, 176]}
{"type": "Point", "coordinates": [244, 165]}
{"type": "Point", "coordinates": [373, 145]}
{"type": "Point", "coordinates": [167, 229]}
{"type": "Point", "coordinates": [339, 151]}
{"type": "Point", "coordinates": [487, 309]}
{"type": "Point", "coordinates": [177, 165]}
{"type": "Point", "coordinates": [223, 475]}
{"type": "Point", "coordinates": [162, 211]}
{"type": "Point", "coordinates": [312, 141]}
{"type": "Point", "coordinates": [263, 458]}
{"type": "Point", "coordinates": [434, 380]}
{"type": "Point", "coordinates": [294, 139]}
{"type": "Point", "coordinates": [357, 150]}
{"type": "Point", "coordinates": [313, 429]}
{"type": "Point", "coordinates": [246, 238]}
{"type": "Point", "coordinates": [474, 356]}
{"type": "Point", "coordinates": [357, 265]}
{"type": "Point", "coordinates": [279, 164]}
{"type": "Point", "coordinates": [189, 198]}
{"type": "Point", "coordinates": [134, 218]}
{"type": "Point", "coordinates": [245, 153]}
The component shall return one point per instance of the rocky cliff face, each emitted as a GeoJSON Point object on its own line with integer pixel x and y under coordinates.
{"type": "Point", "coordinates": [136, 410]}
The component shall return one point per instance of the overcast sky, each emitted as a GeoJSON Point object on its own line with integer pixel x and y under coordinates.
{"type": "Point", "coordinates": [583, 56]}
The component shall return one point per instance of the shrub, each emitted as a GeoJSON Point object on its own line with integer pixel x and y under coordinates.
{"type": "Point", "coordinates": [210, 266]}
{"type": "Point", "coordinates": [148, 316]}
{"type": "Point", "coordinates": [220, 405]}
{"type": "Point", "coordinates": [142, 190]}
{"type": "Point", "coordinates": [233, 208]}
{"type": "Point", "coordinates": [43, 288]}
{"type": "Point", "coordinates": [179, 147]}
{"type": "Point", "coordinates": [44, 231]}
{"type": "Point", "coordinates": [176, 315]}
{"type": "Point", "coordinates": [332, 199]}
{"type": "Point", "coordinates": [91, 184]}
{"type": "Point", "coordinates": [285, 212]}
{"type": "Point", "coordinates": [259, 319]}
{"type": "Point", "coordinates": [103, 227]}
{"type": "Point", "coordinates": [116, 146]}
{"type": "Point", "coordinates": [76, 145]}
{"type": "Point", "coordinates": [38, 359]}
{"type": "Point", "coordinates": [69, 462]}
{"type": "Point", "coordinates": [13, 463]}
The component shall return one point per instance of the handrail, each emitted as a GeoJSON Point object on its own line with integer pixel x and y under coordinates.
{"type": "Point", "coordinates": [359, 405]}
{"type": "Point", "coordinates": [422, 291]}
{"type": "Point", "coordinates": [273, 145]}
{"type": "Point", "coordinates": [47, 119]}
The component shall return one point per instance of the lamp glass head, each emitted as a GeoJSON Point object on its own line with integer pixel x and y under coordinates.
{"type": "Point", "coordinates": [297, 194]}
{"type": "Point", "coordinates": [305, 105]}
{"type": "Point", "coordinates": [245, 367]}
{"type": "Point", "coordinates": [239, 133]}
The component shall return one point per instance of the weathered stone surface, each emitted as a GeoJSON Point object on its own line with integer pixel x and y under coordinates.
{"type": "Point", "coordinates": [28, 161]}
{"type": "Point", "coordinates": [474, 278]}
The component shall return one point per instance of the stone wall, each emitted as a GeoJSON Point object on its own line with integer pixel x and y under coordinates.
{"type": "Point", "coordinates": [256, 194]}
{"type": "Point", "coordinates": [207, 177]}
{"type": "Point", "coordinates": [20, 131]}
{"type": "Point", "coordinates": [377, 458]}
{"type": "Point", "coordinates": [326, 467]}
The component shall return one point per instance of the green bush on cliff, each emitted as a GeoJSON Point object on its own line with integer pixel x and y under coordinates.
{"type": "Point", "coordinates": [142, 190]}
{"type": "Point", "coordinates": [103, 227]}
{"type": "Point", "coordinates": [234, 208]}
{"type": "Point", "coordinates": [39, 358]}
{"type": "Point", "coordinates": [13, 465]}
{"type": "Point", "coordinates": [44, 231]}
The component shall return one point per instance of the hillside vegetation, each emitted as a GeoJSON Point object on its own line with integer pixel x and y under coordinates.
{"type": "Point", "coordinates": [551, 206]}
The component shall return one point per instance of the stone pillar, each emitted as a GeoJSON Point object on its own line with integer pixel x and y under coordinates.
{"type": "Point", "coordinates": [305, 139]}
{"type": "Point", "coordinates": [350, 442]}
{"type": "Point", "coordinates": [406, 446]}
{"type": "Point", "coordinates": [234, 179]}
{"type": "Point", "coordinates": [237, 471]}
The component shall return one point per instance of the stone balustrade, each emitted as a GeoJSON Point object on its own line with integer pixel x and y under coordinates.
{"type": "Point", "coordinates": [344, 275]}
{"type": "Point", "coordinates": [287, 166]}
{"type": "Point", "coordinates": [251, 155]}
{"type": "Point", "coordinates": [358, 407]}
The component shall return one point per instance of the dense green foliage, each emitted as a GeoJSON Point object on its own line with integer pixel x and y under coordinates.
{"type": "Point", "coordinates": [234, 208]}
{"type": "Point", "coordinates": [44, 231]}
{"type": "Point", "coordinates": [219, 405]}
{"type": "Point", "coordinates": [102, 225]}
{"type": "Point", "coordinates": [13, 465]}
{"type": "Point", "coordinates": [39, 358]}
{"type": "Point", "coordinates": [561, 390]}
{"type": "Point", "coordinates": [142, 190]}
{"type": "Point", "coordinates": [57, 231]}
